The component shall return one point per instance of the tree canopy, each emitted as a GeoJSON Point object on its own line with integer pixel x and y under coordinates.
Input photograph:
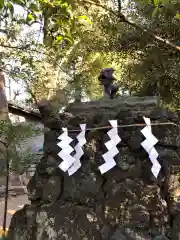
{"type": "Point", "coordinates": [63, 44]}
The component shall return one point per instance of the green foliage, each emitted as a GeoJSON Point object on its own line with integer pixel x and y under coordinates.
{"type": "Point", "coordinates": [78, 38]}
{"type": "Point", "coordinates": [18, 157]}
{"type": "Point", "coordinates": [1, 4]}
{"type": "Point", "coordinates": [150, 66]}
{"type": "Point", "coordinates": [71, 37]}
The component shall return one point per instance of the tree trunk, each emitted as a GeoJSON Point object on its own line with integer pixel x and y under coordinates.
{"type": "Point", "coordinates": [3, 117]}
{"type": "Point", "coordinates": [3, 99]}
{"type": "Point", "coordinates": [3, 141]}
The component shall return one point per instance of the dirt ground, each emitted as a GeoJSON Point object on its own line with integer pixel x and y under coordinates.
{"type": "Point", "coordinates": [14, 204]}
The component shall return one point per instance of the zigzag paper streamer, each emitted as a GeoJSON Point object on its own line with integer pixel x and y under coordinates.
{"type": "Point", "coordinates": [79, 152]}
{"type": "Point", "coordinates": [148, 144]}
{"type": "Point", "coordinates": [111, 146]}
{"type": "Point", "coordinates": [68, 160]}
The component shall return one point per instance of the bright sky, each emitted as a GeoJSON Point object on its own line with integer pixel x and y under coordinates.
{"type": "Point", "coordinates": [14, 85]}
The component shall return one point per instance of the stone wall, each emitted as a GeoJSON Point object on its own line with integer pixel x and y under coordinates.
{"type": "Point", "coordinates": [127, 202]}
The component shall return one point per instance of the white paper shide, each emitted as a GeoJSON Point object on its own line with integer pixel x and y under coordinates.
{"type": "Point", "coordinates": [148, 144]}
{"type": "Point", "coordinates": [71, 164]}
{"type": "Point", "coordinates": [64, 154]}
{"type": "Point", "coordinates": [112, 149]}
{"type": "Point", "coordinates": [79, 151]}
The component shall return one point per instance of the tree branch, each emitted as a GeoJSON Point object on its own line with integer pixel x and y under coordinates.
{"type": "Point", "coordinates": [3, 31]}
{"type": "Point", "coordinates": [119, 5]}
{"type": "Point", "coordinates": [154, 36]}
{"type": "Point", "coordinates": [31, 93]}
{"type": "Point", "coordinates": [32, 50]}
{"type": "Point", "coordinates": [122, 18]}
{"type": "Point", "coordinates": [15, 47]}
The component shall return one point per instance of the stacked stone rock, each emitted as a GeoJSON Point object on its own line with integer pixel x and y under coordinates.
{"type": "Point", "coordinates": [125, 203]}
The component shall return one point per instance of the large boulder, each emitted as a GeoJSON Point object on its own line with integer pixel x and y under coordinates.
{"type": "Point", "coordinates": [125, 203]}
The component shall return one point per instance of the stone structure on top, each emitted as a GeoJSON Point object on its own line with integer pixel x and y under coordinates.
{"type": "Point", "coordinates": [126, 203]}
{"type": "Point", "coordinates": [106, 79]}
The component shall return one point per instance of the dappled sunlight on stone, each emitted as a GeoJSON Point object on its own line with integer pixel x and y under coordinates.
{"type": "Point", "coordinates": [126, 203]}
